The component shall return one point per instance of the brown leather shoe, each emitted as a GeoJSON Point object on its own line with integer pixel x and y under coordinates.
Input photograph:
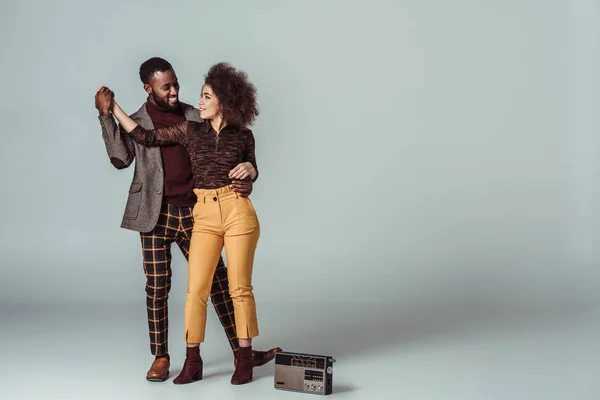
{"type": "Point", "coordinates": [159, 371]}
{"type": "Point", "coordinates": [260, 357]}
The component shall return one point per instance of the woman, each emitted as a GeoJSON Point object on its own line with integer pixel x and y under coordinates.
{"type": "Point", "coordinates": [221, 148]}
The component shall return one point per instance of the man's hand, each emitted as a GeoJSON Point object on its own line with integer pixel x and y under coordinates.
{"type": "Point", "coordinates": [104, 100]}
{"type": "Point", "coordinates": [242, 187]}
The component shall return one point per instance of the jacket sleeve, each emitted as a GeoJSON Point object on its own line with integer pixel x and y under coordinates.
{"type": "Point", "coordinates": [119, 145]}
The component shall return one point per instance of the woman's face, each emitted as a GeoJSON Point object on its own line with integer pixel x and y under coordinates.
{"type": "Point", "coordinates": [208, 104]}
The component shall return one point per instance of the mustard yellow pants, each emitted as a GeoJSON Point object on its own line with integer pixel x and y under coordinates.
{"type": "Point", "coordinates": [221, 219]}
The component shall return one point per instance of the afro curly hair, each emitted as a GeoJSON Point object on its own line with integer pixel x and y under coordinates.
{"type": "Point", "coordinates": [236, 94]}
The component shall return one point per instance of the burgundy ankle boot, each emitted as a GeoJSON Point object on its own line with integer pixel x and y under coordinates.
{"type": "Point", "coordinates": [243, 369]}
{"type": "Point", "coordinates": [192, 367]}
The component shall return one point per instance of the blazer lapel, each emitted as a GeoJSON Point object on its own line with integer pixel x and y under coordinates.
{"type": "Point", "coordinates": [143, 119]}
{"type": "Point", "coordinates": [190, 113]}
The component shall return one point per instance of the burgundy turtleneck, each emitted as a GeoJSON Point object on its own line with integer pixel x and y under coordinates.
{"type": "Point", "coordinates": [177, 168]}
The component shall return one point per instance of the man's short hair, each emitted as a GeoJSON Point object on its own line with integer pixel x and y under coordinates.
{"type": "Point", "coordinates": [149, 67]}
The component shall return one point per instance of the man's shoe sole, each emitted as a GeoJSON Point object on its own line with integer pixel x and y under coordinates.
{"type": "Point", "coordinates": [160, 379]}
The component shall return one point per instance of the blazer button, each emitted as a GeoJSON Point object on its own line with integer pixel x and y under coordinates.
{"type": "Point", "coordinates": [214, 198]}
{"type": "Point", "coordinates": [160, 192]}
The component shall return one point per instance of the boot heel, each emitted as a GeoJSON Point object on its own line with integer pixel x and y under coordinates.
{"type": "Point", "coordinates": [198, 374]}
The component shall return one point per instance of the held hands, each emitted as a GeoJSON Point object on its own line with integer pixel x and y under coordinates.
{"type": "Point", "coordinates": [243, 171]}
{"type": "Point", "coordinates": [105, 103]}
{"type": "Point", "coordinates": [104, 98]}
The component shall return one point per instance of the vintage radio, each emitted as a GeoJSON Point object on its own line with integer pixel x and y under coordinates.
{"type": "Point", "coordinates": [306, 373]}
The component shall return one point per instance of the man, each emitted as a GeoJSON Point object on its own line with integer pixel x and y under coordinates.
{"type": "Point", "coordinates": [160, 203]}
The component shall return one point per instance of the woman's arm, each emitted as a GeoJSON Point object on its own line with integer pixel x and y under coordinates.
{"type": "Point", "coordinates": [154, 137]}
{"type": "Point", "coordinates": [247, 168]}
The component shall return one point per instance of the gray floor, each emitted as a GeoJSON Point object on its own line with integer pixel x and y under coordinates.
{"type": "Point", "coordinates": [468, 351]}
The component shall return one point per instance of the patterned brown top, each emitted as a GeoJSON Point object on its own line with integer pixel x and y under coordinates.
{"type": "Point", "coordinates": [212, 155]}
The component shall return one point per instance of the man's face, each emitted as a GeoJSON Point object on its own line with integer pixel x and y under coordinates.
{"type": "Point", "coordinates": [163, 89]}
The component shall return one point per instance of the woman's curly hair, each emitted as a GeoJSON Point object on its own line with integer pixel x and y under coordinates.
{"type": "Point", "coordinates": [236, 94]}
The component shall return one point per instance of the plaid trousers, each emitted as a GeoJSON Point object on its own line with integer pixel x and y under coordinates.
{"type": "Point", "coordinates": [175, 225]}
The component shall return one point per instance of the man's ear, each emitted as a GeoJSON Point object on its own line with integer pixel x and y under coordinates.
{"type": "Point", "coordinates": [148, 88]}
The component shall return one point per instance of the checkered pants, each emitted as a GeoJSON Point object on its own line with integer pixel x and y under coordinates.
{"type": "Point", "coordinates": [175, 225]}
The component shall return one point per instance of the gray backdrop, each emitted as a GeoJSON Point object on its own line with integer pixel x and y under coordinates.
{"type": "Point", "coordinates": [404, 147]}
{"type": "Point", "coordinates": [409, 151]}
